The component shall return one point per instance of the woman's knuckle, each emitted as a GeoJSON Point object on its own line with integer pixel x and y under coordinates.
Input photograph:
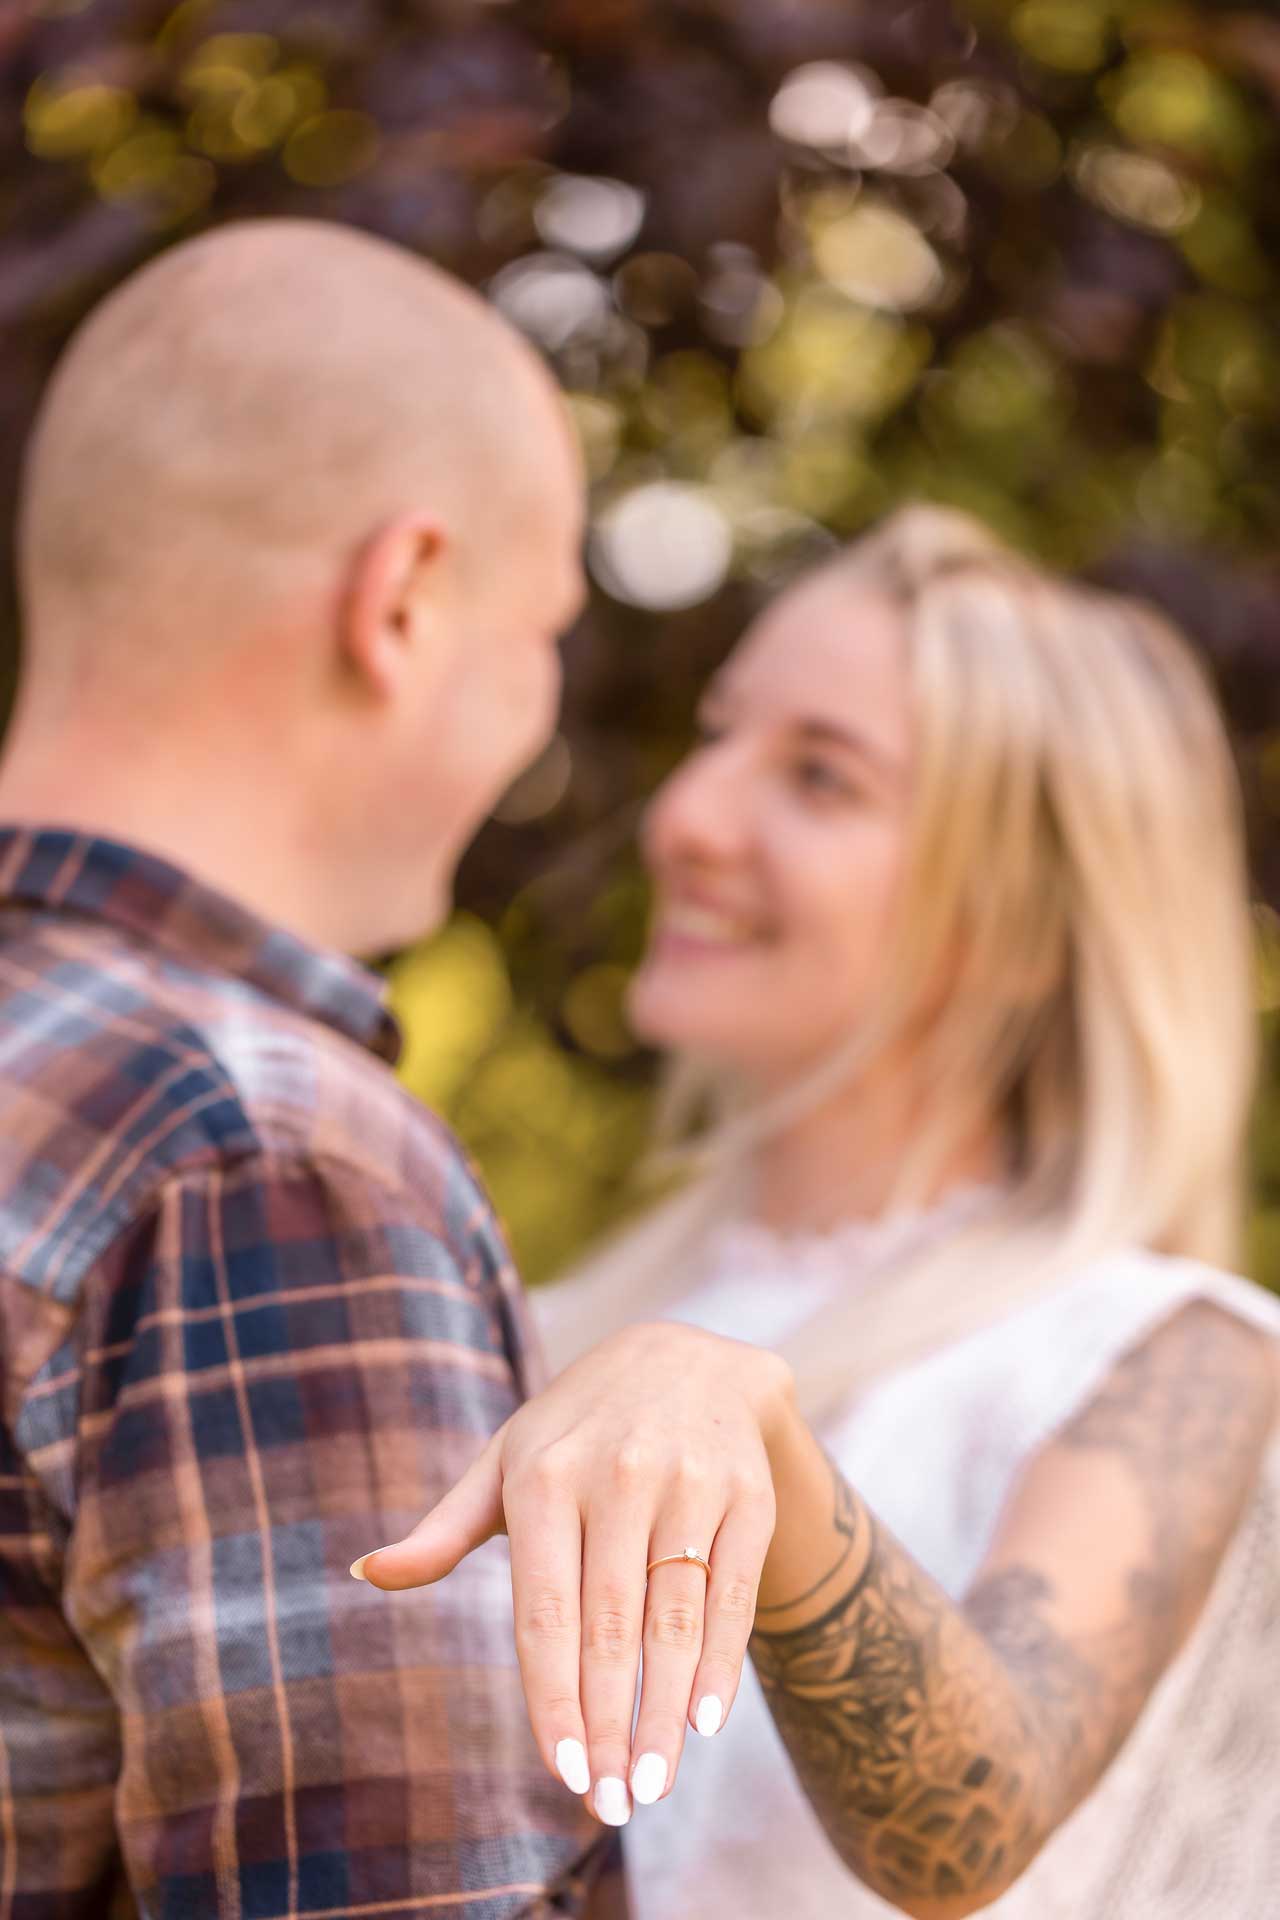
{"type": "Point", "coordinates": [515, 1492]}
{"type": "Point", "coordinates": [610, 1632]}
{"type": "Point", "coordinates": [691, 1473]}
{"type": "Point", "coordinates": [533, 1480]}
{"type": "Point", "coordinates": [760, 1509]}
{"type": "Point", "coordinates": [736, 1600]}
{"type": "Point", "coordinates": [557, 1465]}
{"type": "Point", "coordinates": [613, 1595]}
{"type": "Point", "coordinates": [721, 1669]}
{"type": "Point", "coordinates": [631, 1462]}
{"type": "Point", "coordinates": [609, 1735]}
{"type": "Point", "coordinates": [660, 1730]}
{"type": "Point", "coordinates": [752, 1487]}
{"type": "Point", "coordinates": [677, 1625]}
{"type": "Point", "coordinates": [542, 1471]}
{"type": "Point", "coordinates": [546, 1618]}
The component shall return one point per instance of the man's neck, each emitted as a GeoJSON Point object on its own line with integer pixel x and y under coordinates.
{"type": "Point", "coordinates": [199, 812]}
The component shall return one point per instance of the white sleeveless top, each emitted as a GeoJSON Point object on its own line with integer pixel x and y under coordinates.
{"type": "Point", "coordinates": [1185, 1825]}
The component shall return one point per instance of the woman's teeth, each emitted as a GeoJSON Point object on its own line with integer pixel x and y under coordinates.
{"type": "Point", "coordinates": [702, 923]}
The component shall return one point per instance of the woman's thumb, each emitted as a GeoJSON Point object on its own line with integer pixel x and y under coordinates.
{"type": "Point", "coordinates": [469, 1514]}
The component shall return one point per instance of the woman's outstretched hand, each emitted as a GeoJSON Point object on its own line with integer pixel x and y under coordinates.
{"type": "Point", "coordinates": [656, 1440]}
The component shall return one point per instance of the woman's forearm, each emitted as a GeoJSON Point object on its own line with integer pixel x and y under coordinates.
{"type": "Point", "coordinates": [917, 1748]}
{"type": "Point", "coordinates": [942, 1743]}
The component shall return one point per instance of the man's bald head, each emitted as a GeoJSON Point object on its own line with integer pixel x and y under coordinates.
{"type": "Point", "coordinates": [231, 423]}
{"type": "Point", "coordinates": [301, 526]}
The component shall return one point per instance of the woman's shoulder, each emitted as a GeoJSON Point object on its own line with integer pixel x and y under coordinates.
{"type": "Point", "coordinates": [1089, 1314]}
{"type": "Point", "coordinates": [1130, 1288]}
{"type": "Point", "coordinates": [996, 1397]}
{"type": "Point", "coordinates": [1063, 1346]}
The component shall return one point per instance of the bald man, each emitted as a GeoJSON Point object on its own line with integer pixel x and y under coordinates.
{"type": "Point", "coordinates": [300, 525]}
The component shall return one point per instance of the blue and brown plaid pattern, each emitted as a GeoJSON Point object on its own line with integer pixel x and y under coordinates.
{"type": "Point", "coordinates": [255, 1318]}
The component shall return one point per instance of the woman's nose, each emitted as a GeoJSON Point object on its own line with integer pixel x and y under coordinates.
{"type": "Point", "coordinates": [701, 812]}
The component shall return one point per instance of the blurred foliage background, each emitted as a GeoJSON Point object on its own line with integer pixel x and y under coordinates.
{"type": "Point", "coordinates": [793, 260]}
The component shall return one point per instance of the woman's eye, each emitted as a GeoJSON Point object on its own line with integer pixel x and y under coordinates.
{"type": "Point", "coordinates": [817, 777]}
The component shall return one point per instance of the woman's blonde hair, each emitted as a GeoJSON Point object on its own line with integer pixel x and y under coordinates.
{"type": "Point", "coordinates": [1076, 870]}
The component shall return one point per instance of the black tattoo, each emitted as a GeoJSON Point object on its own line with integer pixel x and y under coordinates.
{"type": "Point", "coordinates": [887, 1733]}
{"type": "Point", "coordinates": [844, 1521]}
{"type": "Point", "coordinates": [941, 1744]}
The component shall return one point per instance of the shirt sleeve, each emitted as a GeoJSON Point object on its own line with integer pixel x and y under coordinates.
{"type": "Point", "coordinates": [59, 1731]}
{"type": "Point", "coordinates": [283, 1366]}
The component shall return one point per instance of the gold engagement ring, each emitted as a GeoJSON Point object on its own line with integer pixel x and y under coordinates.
{"type": "Point", "coordinates": [689, 1555]}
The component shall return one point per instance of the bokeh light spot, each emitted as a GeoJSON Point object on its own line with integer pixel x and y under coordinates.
{"type": "Point", "coordinates": [832, 358]}
{"type": "Point", "coordinates": [453, 996]}
{"type": "Point", "coordinates": [1267, 920]}
{"type": "Point", "coordinates": [740, 305]}
{"type": "Point", "coordinates": [653, 288]}
{"type": "Point", "coordinates": [1222, 246]}
{"type": "Point", "coordinates": [598, 424]}
{"type": "Point", "coordinates": [902, 137]}
{"type": "Point", "coordinates": [663, 545]}
{"type": "Point", "coordinates": [825, 104]}
{"type": "Point", "coordinates": [1071, 35]}
{"type": "Point", "coordinates": [879, 257]}
{"type": "Point", "coordinates": [592, 1010]}
{"type": "Point", "coordinates": [1176, 493]}
{"type": "Point", "coordinates": [976, 111]}
{"type": "Point", "coordinates": [1002, 385]}
{"type": "Point", "coordinates": [264, 114]}
{"type": "Point", "coordinates": [137, 165]}
{"type": "Point", "coordinates": [1136, 187]}
{"type": "Point", "coordinates": [1025, 157]}
{"type": "Point", "coordinates": [64, 119]}
{"type": "Point", "coordinates": [223, 55]}
{"type": "Point", "coordinates": [332, 147]}
{"type": "Point", "coordinates": [552, 297]}
{"type": "Point", "coordinates": [1172, 99]}
{"type": "Point", "coordinates": [594, 217]}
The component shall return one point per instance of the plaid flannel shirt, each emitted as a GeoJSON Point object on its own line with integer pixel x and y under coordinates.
{"type": "Point", "coordinates": [255, 1318]}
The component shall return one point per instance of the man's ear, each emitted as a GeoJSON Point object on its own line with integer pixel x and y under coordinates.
{"type": "Point", "coordinates": [386, 615]}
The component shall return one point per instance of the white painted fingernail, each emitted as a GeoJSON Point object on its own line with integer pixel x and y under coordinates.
{"type": "Point", "coordinates": [571, 1765]}
{"type": "Point", "coordinates": [648, 1778]}
{"type": "Point", "coordinates": [710, 1714]}
{"type": "Point", "coordinates": [612, 1803]}
{"type": "Point", "coordinates": [359, 1568]}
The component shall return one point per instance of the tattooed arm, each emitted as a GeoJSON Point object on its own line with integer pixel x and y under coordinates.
{"type": "Point", "coordinates": [941, 1744]}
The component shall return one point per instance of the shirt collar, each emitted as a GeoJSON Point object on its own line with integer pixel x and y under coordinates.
{"type": "Point", "coordinates": [77, 873]}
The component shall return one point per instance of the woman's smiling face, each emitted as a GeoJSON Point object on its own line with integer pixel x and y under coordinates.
{"type": "Point", "coordinates": [777, 848]}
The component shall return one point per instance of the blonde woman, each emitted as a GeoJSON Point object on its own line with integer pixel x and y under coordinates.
{"type": "Point", "coordinates": [937, 1365]}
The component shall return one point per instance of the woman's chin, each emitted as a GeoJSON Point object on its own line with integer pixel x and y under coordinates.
{"type": "Point", "coordinates": [662, 1016]}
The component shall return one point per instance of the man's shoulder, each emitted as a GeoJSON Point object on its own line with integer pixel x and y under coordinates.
{"type": "Point", "coordinates": [118, 1075]}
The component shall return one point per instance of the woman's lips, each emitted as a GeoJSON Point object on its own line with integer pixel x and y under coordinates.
{"type": "Point", "coordinates": [690, 929]}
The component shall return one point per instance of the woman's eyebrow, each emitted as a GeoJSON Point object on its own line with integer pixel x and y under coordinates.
{"type": "Point", "coordinates": [818, 730]}
{"type": "Point", "coordinates": [834, 733]}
